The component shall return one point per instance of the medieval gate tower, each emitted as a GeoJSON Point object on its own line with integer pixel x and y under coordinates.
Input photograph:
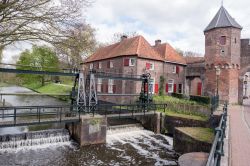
{"type": "Point", "coordinates": [222, 54]}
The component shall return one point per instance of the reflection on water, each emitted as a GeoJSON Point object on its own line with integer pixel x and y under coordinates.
{"type": "Point", "coordinates": [27, 101]}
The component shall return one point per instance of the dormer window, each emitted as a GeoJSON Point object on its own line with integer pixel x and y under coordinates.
{"type": "Point", "coordinates": [223, 40]}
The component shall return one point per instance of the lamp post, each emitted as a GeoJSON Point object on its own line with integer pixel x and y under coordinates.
{"type": "Point", "coordinates": [217, 71]}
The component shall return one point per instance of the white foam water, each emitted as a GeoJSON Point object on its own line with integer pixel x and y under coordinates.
{"type": "Point", "coordinates": [144, 142]}
{"type": "Point", "coordinates": [34, 140]}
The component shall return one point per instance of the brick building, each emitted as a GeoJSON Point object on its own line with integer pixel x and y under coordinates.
{"type": "Point", "coordinates": [225, 51]}
{"type": "Point", "coordinates": [135, 56]}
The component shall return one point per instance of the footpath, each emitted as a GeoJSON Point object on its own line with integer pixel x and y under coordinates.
{"type": "Point", "coordinates": [239, 135]}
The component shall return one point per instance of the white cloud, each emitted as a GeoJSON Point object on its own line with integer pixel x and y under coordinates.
{"type": "Point", "coordinates": [179, 22]}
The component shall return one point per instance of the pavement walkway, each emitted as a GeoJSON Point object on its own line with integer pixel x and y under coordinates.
{"type": "Point", "coordinates": [239, 135]}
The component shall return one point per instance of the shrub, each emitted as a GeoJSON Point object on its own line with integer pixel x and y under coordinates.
{"type": "Point", "coordinates": [178, 95]}
{"type": "Point", "coordinates": [200, 99]}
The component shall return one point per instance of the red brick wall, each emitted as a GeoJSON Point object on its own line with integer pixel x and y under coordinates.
{"type": "Point", "coordinates": [228, 62]}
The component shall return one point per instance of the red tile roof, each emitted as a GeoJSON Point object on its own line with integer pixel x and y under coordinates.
{"type": "Point", "coordinates": [169, 53]}
{"type": "Point", "coordinates": [132, 46]}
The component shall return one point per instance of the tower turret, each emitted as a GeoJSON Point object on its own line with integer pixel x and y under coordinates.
{"type": "Point", "coordinates": [222, 52]}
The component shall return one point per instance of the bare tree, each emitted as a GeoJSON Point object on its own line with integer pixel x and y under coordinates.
{"type": "Point", "coordinates": [46, 20]}
{"type": "Point", "coordinates": [79, 44]}
{"type": "Point", "coordinates": [117, 36]}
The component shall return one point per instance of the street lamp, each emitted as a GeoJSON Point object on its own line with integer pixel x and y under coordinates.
{"type": "Point", "coordinates": [217, 69]}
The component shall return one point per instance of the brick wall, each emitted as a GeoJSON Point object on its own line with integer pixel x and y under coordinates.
{"type": "Point", "coordinates": [228, 61]}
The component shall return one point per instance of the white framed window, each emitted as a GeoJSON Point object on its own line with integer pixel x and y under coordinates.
{"type": "Point", "coordinates": [99, 85]}
{"type": "Point", "coordinates": [174, 69]}
{"type": "Point", "coordinates": [110, 86]}
{"type": "Point", "coordinates": [151, 86]}
{"type": "Point", "coordinates": [131, 61]}
{"type": "Point", "coordinates": [100, 65]}
{"type": "Point", "coordinates": [170, 86]}
{"type": "Point", "coordinates": [152, 66]}
{"type": "Point", "coordinates": [111, 64]}
{"type": "Point", "coordinates": [91, 66]}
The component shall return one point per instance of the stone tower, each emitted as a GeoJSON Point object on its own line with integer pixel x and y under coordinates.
{"type": "Point", "coordinates": [222, 50]}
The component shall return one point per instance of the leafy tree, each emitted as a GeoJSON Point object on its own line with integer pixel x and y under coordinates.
{"type": "Point", "coordinates": [46, 20]}
{"type": "Point", "coordinates": [117, 36]}
{"type": "Point", "coordinates": [39, 58]}
{"type": "Point", "coordinates": [161, 89]}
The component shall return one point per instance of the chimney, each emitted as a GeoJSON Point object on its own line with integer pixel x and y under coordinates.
{"type": "Point", "coordinates": [124, 37]}
{"type": "Point", "coordinates": [157, 42]}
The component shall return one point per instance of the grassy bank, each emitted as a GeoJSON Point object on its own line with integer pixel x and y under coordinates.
{"type": "Point", "coordinates": [174, 100]}
{"type": "Point", "coordinates": [186, 116]}
{"type": "Point", "coordinates": [199, 133]}
{"type": "Point", "coordinates": [51, 88]}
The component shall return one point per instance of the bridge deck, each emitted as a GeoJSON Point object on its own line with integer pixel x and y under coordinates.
{"type": "Point", "coordinates": [130, 114]}
{"type": "Point", "coordinates": [37, 121]}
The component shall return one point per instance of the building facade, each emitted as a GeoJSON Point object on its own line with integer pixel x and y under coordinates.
{"type": "Point", "coordinates": [132, 57]}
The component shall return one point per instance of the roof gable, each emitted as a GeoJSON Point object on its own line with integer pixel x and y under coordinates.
{"type": "Point", "coordinates": [169, 53]}
{"type": "Point", "coordinates": [222, 19]}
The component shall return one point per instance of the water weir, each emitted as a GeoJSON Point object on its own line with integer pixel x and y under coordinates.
{"type": "Point", "coordinates": [36, 138]}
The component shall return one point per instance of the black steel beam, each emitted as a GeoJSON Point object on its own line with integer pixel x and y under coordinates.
{"type": "Point", "coordinates": [18, 71]}
{"type": "Point", "coordinates": [118, 77]}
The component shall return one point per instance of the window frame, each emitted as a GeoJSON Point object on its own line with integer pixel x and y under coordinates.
{"type": "Point", "coordinates": [91, 66]}
{"type": "Point", "coordinates": [99, 84]}
{"type": "Point", "coordinates": [174, 69]}
{"type": "Point", "coordinates": [152, 66]}
{"type": "Point", "coordinates": [130, 61]}
{"type": "Point", "coordinates": [99, 65]}
{"type": "Point", "coordinates": [110, 85]}
{"type": "Point", "coordinates": [111, 65]}
{"type": "Point", "coordinates": [151, 84]}
{"type": "Point", "coordinates": [223, 40]}
{"type": "Point", "coordinates": [171, 90]}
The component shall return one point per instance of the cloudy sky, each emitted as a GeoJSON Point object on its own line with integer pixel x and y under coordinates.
{"type": "Point", "coordinates": [178, 22]}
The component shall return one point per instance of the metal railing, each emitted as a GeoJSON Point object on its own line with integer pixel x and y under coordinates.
{"type": "Point", "coordinates": [215, 101]}
{"type": "Point", "coordinates": [21, 115]}
{"type": "Point", "coordinates": [119, 109]}
{"type": "Point", "coordinates": [217, 148]}
{"type": "Point", "coordinates": [28, 115]}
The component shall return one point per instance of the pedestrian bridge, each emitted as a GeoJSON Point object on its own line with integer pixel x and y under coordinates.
{"type": "Point", "coordinates": [35, 115]}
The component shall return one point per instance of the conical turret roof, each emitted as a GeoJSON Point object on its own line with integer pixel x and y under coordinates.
{"type": "Point", "coordinates": [222, 19]}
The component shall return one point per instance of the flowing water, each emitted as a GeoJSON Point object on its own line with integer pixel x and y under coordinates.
{"type": "Point", "coordinates": [126, 145]}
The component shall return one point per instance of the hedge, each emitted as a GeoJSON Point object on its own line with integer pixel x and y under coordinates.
{"type": "Point", "coordinates": [201, 99]}
{"type": "Point", "coordinates": [178, 95]}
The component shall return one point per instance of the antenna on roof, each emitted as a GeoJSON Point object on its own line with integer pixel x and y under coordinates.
{"type": "Point", "coordinates": [222, 1]}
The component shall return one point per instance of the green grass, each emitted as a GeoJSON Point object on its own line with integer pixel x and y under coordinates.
{"type": "Point", "coordinates": [185, 115]}
{"type": "Point", "coordinates": [198, 133]}
{"type": "Point", "coordinates": [174, 100]}
{"type": "Point", "coordinates": [33, 85]}
{"type": "Point", "coordinates": [57, 89]}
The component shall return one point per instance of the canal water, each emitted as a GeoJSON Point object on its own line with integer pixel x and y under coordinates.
{"type": "Point", "coordinates": [125, 146]}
